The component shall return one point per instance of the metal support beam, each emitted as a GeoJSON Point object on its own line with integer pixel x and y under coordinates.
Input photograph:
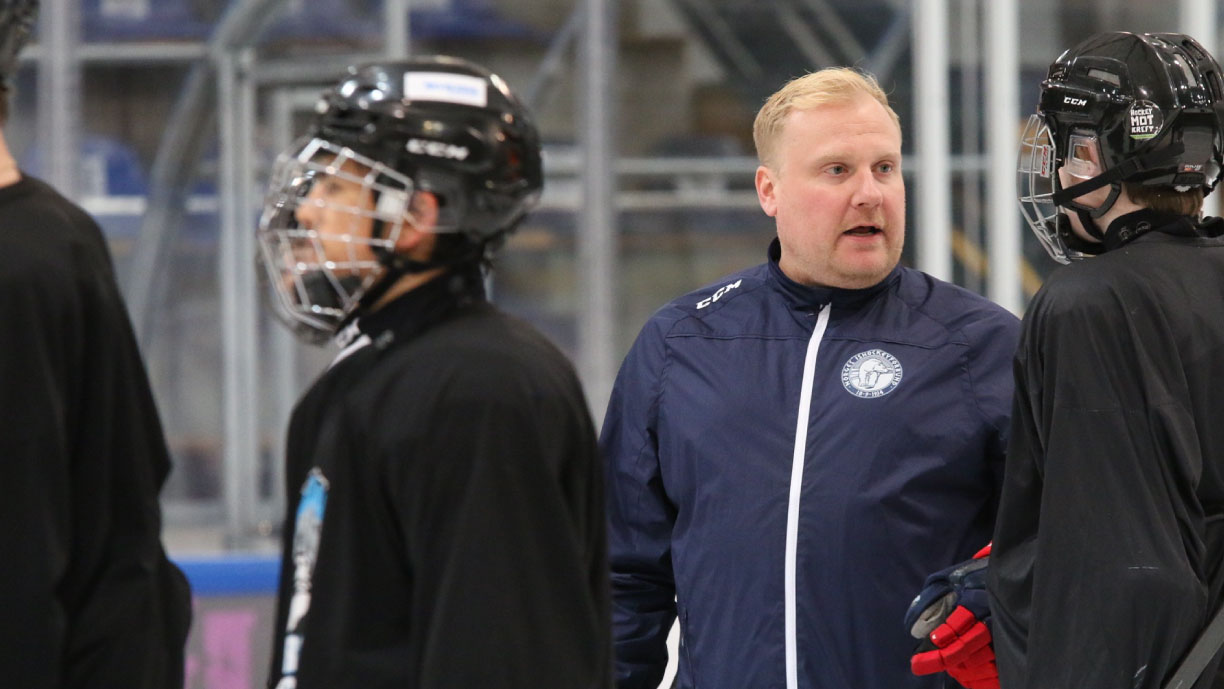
{"type": "Point", "coordinates": [891, 47]}
{"type": "Point", "coordinates": [934, 230]}
{"type": "Point", "coordinates": [970, 47]}
{"type": "Point", "coordinates": [1199, 19]}
{"type": "Point", "coordinates": [805, 40]}
{"type": "Point", "coordinates": [721, 37]}
{"type": "Point", "coordinates": [318, 71]}
{"type": "Point", "coordinates": [59, 95]}
{"type": "Point", "coordinates": [1003, 112]}
{"type": "Point", "coordinates": [281, 377]}
{"type": "Point", "coordinates": [842, 35]}
{"type": "Point", "coordinates": [397, 31]}
{"type": "Point", "coordinates": [239, 303]}
{"type": "Point", "coordinates": [541, 86]}
{"type": "Point", "coordinates": [597, 245]}
{"type": "Point", "coordinates": [132, 53]}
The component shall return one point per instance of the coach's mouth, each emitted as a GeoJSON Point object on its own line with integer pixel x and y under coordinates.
{"type": "Point", "coordinates": [864, 231]}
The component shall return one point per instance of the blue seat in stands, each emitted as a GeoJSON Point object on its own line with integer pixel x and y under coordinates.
{"type": "Point", "coordinates": [111, 182]}
{"type": "Point", "coordinates": [349, 19]}
{"type": "Point", "coordinates": [107, 167]}
{"type": "Point", "coordinates": [468, 19]}
{"type": "Point", "coordinates": [128, 20]}
{"type": "Point", "coordinates": [326, 20]}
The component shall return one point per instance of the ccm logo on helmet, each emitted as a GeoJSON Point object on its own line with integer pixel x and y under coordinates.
{"type": "Point", "coordinates": [1077, 102]}
{"type": "Point", "coordinates": [718, 295]}
{"type": "Point", "coordinates": [437, 149]}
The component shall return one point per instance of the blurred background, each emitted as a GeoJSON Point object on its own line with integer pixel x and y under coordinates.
{"type": "Point", "coordinates": [161, 118]}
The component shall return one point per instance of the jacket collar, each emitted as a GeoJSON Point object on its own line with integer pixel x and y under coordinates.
{"type": "Point", "coordinates": [806, 296]}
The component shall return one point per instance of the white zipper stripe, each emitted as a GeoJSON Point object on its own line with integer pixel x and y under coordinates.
{"type": "Point", "coordinates": [796, 487]}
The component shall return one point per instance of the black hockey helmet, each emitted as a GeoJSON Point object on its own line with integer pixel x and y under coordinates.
{"type": "Point", "coordinates": [387, 131]}
{"type": "Point", "coordinates": [451, 126]}
{"type": "Point", "coordinates": [1150, 105]}
{"type": "Point", "coordinates": [16, 24]}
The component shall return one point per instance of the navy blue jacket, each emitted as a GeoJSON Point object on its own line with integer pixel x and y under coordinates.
{"type": "Point", "coordinates": [786, 464]}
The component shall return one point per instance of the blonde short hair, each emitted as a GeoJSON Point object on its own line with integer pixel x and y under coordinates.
{"type": "Point", "coordinates": [833, 85]}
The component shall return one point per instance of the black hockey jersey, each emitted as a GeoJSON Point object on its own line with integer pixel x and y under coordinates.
{"type": "Point", "coordinates": [89, 598]}
{"type": "Point", "coordinates": [446, 523]}
{"type": "Point", "coordinates": [1107, 548]}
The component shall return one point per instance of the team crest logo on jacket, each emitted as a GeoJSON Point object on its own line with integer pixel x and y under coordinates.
{"type": "Point", "coordinates": [870, 374]}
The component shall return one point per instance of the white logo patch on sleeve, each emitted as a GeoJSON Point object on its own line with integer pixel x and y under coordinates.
{"type": "Point", "coordinates": [718, 295]}
{"type": "Point", "coordinates": [445, 87]}
{"type": "Point", "coordinates": [870, 374]}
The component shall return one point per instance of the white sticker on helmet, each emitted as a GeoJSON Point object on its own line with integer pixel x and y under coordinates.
{"type": "Point", "coordinates": [1145, 120]}
{"type": "Point", "coordinates": [446, 87]}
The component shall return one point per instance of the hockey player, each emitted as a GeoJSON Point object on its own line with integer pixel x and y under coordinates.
{"type": "Point", "coordinates": [446, 524]}
{"type": "Point", "coordinates": [793, 448]}
{"type": "Point", "coordinates": [1107, 552]}
{"type": "Point", "coordinates": [89, 597]}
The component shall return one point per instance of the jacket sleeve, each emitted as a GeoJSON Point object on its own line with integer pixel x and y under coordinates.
{"type": "Point", "coordinates": [640, 516]}
{"type": "Point", "coordinates": [1093, 582]}
{"type": "Point", "coordinates": [992, 351]}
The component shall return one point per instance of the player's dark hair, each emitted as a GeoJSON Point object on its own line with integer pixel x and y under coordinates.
{"type": "Point", "coordinates": [1166, 199]}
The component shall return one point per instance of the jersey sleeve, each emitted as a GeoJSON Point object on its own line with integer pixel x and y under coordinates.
{"type": "Point", "coordinates": [640, 516]}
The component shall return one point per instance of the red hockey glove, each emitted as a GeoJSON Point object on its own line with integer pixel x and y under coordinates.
{"type": "Point", "coordinates": [951, 615]}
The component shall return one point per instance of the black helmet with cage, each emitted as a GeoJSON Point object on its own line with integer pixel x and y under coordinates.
{"type": "Point", "coordinates": [435, 124]}
{"type": "Point", "coordinates": [1119, 107]}
{"type": "Point", "coordinates": [451, 126]}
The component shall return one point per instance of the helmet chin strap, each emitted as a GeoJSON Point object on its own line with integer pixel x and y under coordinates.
{"type": "Point", "coordinates": [398, 266]}
{"type": "Point", "coordinates": [1088, 217]}
{"type": "Point", "coordinates": [1089, 223]}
